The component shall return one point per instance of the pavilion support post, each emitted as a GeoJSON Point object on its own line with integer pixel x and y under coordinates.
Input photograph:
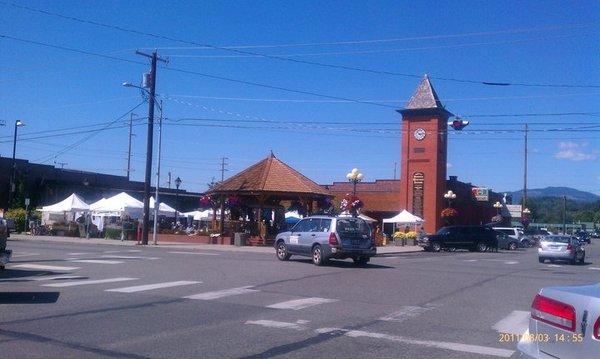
{"type": "Point", "coordinates": [222, 219]}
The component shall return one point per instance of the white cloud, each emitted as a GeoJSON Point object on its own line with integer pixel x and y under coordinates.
{"type": "Point", "coordinates": [449, 165]}
{"type": "Point", "coordinates": [574, 152]}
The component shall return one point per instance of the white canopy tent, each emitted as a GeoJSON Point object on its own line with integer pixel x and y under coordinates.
{"type": "Point", "coordinates": [163, 208]}
{"type": "Point", "coordinates": [404, 217]}
{"type": "Point", "coordinates": [73, 203]}
{"type": "Point", "coordinates": [118, 205]}
{"type": "Point", "coordinates": [97, 204]}
{"type": "Point", "coordinates": [362, 216]}
{"type": "Point", "coordinates": [206, 215]}
{"type": "Point", "coordinates": [66, 210]}
{"type": "Point", "coordinates": [294, 214]}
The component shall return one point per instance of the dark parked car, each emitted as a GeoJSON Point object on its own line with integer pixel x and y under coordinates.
{"type": "Point", "coordinates": [473, 238]}
{"type": "Point", "coordinates": [583, 236]}
{"type": "Point", "coordinates": [4, 234]}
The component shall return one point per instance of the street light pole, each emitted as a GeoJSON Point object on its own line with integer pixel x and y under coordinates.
{"type": "Point", "coordinates": [18, 123]}
{"type": "Point", "coordinates": [177, 184]}
{"type": "Point", "coordinates": [156, 200]}
{"type": "Point", "coordinates": [449, 196]}
{"type": "Point", "coordinates": [147, 178]}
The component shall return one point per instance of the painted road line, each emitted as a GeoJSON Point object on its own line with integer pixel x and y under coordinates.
{"type": "Point", "coordinates": [298, 304]}
{"type": "Point", "coordinates": [594, 268]}
{"type": "Point", "coordinates": [95, 261]}
{"type": "Point", "coordinates": [459, 347]}
{"type": "Point", "coordinates": [222, 293]}
{"type": "Point", "coordinates": [25, 255]}
{"type": "Point", "coordinates": [406, 312]}
{"type": "Point", "coordinates": [515, 323]}
{"type": "Point", "coordinates": [276, 324]}
{"type": "Point", "coordinates": [141, 288]}
{"type": "Point", "coordinates": [79, 253]}
{"type": "Point", "coordinates": [470, 260]}
{"type": "Point", "coordinates": [197, 253]}
{"type": "Point", "coordinates": [43, 267]}
{"type": "Point", "coordinates": [42, 277]}
{"type": "Point", "coordinates": [127, 257]}
{"type": "Point", "coordinates": [554, 265]}
{"type": "Point", "coordinates": [86, 282]}
{"type": "Point", "coordinates": [511, 262]}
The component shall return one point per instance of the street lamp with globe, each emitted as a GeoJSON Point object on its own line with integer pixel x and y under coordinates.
{"type": "Point", "coordinates": [450, 196]}
{"type": "Point", "coordinates": [497, 205]}
{"type": "Point", "coordinates": [354, 177]}
{"type": "Point", "coordinates": [177, 184]}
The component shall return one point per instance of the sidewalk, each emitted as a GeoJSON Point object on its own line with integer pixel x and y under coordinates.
{"type": "Point", "coordinates": [387, 250]}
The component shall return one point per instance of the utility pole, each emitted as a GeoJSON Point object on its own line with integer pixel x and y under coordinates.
{"type": "Point", "coordinates": [222, 219]}
{"type": "Point", "coordinates": [156, 200]}
{"type": "Point", "coordinates": [525, 171]}
{"type": "Point", "coordinates": [564, 214]}
{"type": "Point", "coordinates": [169, 181]}
{"type": "Point", "coordinates": [147, 178]}
{"type": "Point", "coordinates": [129, 150]}
{"type": "Point", "coordinates": [395, 169]}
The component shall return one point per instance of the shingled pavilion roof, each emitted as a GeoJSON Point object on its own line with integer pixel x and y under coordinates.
{"type": "Point", "coordinates": [424, 99]}
{"type": "Point", "coordinates": [270, 176]}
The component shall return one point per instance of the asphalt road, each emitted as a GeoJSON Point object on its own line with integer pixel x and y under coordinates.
{"type": "Point", "coordinates": [60, 300]}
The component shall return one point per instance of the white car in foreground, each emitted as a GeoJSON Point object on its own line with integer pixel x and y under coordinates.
{"type": "Point", "coordinates": [564, 323]}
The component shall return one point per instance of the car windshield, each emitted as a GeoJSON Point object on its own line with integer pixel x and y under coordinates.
{"type": "Point", "coordinates": [352, 226]}
{"type": "Point", "coordinates": [442, 230]}
{"type": "Point", "coordinates": [557, 239]}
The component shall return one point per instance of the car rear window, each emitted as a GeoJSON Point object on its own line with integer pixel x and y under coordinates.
{"type": "Point", "coordinates": [558, 239]}
{"type": "Point", "coordinates": [352, 226]}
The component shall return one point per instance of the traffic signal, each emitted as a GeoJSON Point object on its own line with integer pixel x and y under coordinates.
{"type": "Point", "coordinates": [458, 124]}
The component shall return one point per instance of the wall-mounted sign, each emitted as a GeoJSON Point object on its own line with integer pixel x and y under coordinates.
{"type": "Point", "coordinates": [480, 193]}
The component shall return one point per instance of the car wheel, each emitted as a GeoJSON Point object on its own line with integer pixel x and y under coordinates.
{"type": "Point", "coordinates": [435, 247]}
{"type": "Point", "coordinates": [512, 246]}
{"type": "Point", "coordinates": [317, 256]}
{"type": "Point", "coordinates": [361, 261]}
{"type": "Point", "coordinates": [541, 260]}
{"type": "Point", "coordinates": [481, 247]}
{"type": "Point", "coordinates": [582, 260]}
{"type": "Point", "coordinates": [282, 253]}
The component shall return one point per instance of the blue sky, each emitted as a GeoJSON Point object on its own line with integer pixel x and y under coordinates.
{"type": "Point", "coordinates": [518, 42]}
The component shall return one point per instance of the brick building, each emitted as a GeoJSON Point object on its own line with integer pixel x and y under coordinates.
{"type": "Point", "coordinates": [423, 181]}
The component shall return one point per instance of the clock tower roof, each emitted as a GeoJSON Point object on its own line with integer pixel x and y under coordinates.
{"type": "Point", "coordinates": [425, 99]}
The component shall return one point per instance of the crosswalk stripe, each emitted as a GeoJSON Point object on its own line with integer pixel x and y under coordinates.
{"type": "Point", "coordinates": [85, 282]}
{"type": "Point", "coordinates": [514, 323]}
{"type": "Point", "coordinates": [197, 253]}
{"type": "Point", "coordinates": [277, 324]}
{"type": "Point", "coordinates": [127, 257]}
{"type": "Point", "coordinates": [406, 312]}
{"type": "Point", "coordinates": [95, 261]}
{"type": "Point", "coordinates": [140, 288]}
{"type": "Point", "coordinates": [298, 304]}
{"type": "Point", "coordinates": [222, 293]}
{"type": "Point", "coordinates": [42, 267]}
{"type": "Point", "coordinates": [594, 268]}
{"type": "Point", "coordinates": [41, 278]}
{"type": "Point", "coordinates": [79, 253]}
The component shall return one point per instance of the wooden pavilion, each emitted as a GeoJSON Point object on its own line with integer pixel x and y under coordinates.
{"type": "Point", "coordinates": [259, 195]}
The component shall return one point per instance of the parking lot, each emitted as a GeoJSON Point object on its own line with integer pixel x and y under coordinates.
{"type": "Point", "coordinates": [84, 300]}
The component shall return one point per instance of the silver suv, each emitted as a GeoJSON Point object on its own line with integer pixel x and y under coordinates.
{"type": "Point", "coordinates": [323, 238]}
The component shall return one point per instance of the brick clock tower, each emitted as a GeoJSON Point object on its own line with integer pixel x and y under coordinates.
{"type": "Point", "coordinates": [424, 155]}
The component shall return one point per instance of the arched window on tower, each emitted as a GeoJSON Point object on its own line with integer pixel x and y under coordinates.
{"type": "Point", "coordinates": [418, 182]}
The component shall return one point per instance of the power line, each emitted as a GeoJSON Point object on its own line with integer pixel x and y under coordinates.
{"type": "Point", "coordinates": [387, 40]}
{"type": "Point", "coordinates": [378, 51]}
{"type": "Point", "coordinates": [275, 57]}
{"type": "Point", "coordinates": [189, 72]}
{"type": "Point", "coordinates": [84, 139]}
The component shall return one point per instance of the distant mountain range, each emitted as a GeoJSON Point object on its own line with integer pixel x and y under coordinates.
{"type": "Point", "coordinates": [571, 193]}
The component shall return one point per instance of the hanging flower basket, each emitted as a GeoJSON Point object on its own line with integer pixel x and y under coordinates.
{"type": "Point", "coordinates": [233, 202]}
{"type": "Point", "coordinates": [206, 202]}
{"type": "Point", "coordinates": [351, 204]}
{"type": "Point", "coordinates": [449, 213]}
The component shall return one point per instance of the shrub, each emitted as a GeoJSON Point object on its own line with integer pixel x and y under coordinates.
{"type": "Point", "coordinates": [112, 233]}
{"type": "Point", "coordinates": [18, 215]}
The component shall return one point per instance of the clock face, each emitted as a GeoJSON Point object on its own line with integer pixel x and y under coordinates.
{"type": "Point", "coordinates": [419, 134]}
